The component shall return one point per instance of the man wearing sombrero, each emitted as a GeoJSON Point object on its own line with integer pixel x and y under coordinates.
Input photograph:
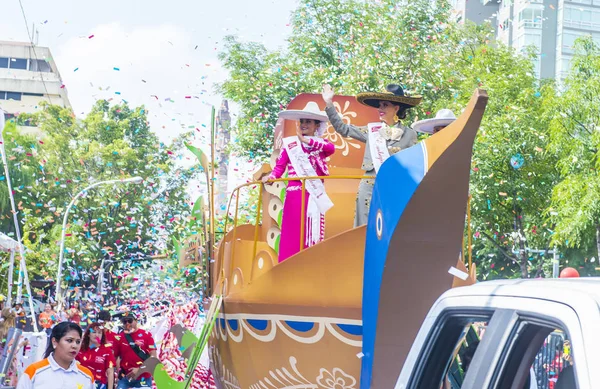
{"type": "Point", "coordinates": [442, 119]}
{"type": "Point", "coordinates": [303, 155]}
{"type": "Point", "coordinates": [382, 139]}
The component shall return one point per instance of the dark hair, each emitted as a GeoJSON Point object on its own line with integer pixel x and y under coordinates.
{"type": "Point", "coordinates": [58, 332]}
{"type": "Point", "coordinates": [317, 122]}
{"type": "Point", "coordinates": [402, 110]}
{"type": "Point", "coordinates": [85, 344]}
{"type": "Point", "coordinates": [105, 316]}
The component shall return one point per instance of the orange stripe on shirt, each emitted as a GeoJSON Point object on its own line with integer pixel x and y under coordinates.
{"type": "Point", "coordinates": [85, 371]}
{"type": "Point", "coordinates": [34, 367]}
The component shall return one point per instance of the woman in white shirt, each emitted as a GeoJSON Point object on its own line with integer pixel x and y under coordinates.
{"type": "Point", "coordinates": [59, 369]}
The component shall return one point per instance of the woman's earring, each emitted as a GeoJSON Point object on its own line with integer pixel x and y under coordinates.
{"type": "Point", "coordinates": [396, 118]}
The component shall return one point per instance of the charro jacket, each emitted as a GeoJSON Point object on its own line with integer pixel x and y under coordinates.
{"type": "Point", "coordinates": [408, 139]}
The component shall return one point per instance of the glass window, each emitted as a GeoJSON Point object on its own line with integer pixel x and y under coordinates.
{"type": "Point", "coordinates": [530, 17]}
{"type": "Point", "coordinates": [463, 354]}
{"type": "Point", "coordinates": [581, 17]}
{"type": "Point", "coordinates": [569, 38]}
{"type": "Point", "coordinates": [18, 63]}
{"type": "Point", "coordinates": [2, 95]}
{"type": "Point", "coordinates": [565, 65]}
{"type": "Point", "coordinates": [13, 96]}
{"type": "Point", "coordinates": [446, 355]}
{"type": "Point", "coordinates": [533, 39]}
{"type": "Point", "coordinates": [586, 15]}
{"type": "Point", "coordinates": [539, 356]}
{"type": "Point", "coordinates": [553, 357]}
{"type": "Point", "coordinates": [39, 65]}
{"type": "Point", "coordinates": [3, 62]}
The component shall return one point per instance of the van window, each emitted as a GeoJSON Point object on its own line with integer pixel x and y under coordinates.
{"type": "Point", "coordinates": [539, 356]}
{"type": "Point", "coordinates": [463, 355]}
{"type": "Point", "coordinates": [554, 356]}
{"type": "Point", "coordinates": [451, 344]}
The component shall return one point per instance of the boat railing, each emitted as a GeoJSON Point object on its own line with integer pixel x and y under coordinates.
{"type": "Point", "coordinates": [236, 194]}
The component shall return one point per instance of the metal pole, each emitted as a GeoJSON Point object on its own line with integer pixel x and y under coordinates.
{"type": "Point", "coordinates": [101, 278]}
{"type": "Point", "coordinates": [20, 285]}
{"type": "Point", "coordinates": [16, 221]}
{"type": "Point", "coordinates": [11, 270]}
{"type": "Point", "coordinates": [136, 180]}
{"type": "Point", "coordinates": [555, 263]}
{"type": "Point", "coordinates": [211, 188]}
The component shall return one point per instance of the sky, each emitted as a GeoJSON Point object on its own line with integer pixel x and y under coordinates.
{"type": "Point", "coordinates": [162, 54]}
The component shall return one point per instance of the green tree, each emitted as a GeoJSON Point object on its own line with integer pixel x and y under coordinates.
{"type": "Point", "coordinates": [576, 140]}
{"type": "Point", "coordinates": [513, 171]}
{"type": "Point", "coordinates": [359, 46]}
{"type": "Point", "coordinates": [22, 163]}
{"type": "Point", "coordinates": [112, 142]}
{"type": "Point", "coordinates": [354, 45]}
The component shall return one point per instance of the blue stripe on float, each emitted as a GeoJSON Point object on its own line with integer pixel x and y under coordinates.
{"type": "Point", "coordinates": [351, 329]}
{"type": "Point", "coordinates": [396, 182]}
{"type": "Point", "coordinates": [301, 326]}
{"type": "Point", "coordinates": [257, 324]}
{"type": "Point", "coordinates": [233, 324]}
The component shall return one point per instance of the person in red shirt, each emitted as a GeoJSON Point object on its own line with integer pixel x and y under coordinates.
{"type": "Point", "coordinates": [110, 340]}
{"type": "Point", "coordinates": [75, 313]}
{"type": "Point", "coordinates": [134, 346]}
{"type": "Point", "coordinates": [97, 357]}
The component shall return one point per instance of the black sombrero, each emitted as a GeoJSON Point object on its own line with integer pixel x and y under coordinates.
{"type": "Point", "coordinates": [394, 93]}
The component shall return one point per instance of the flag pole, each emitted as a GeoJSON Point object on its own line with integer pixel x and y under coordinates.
{"type": "Point", "coordinates": [212, 196]}
{"type": "Point", "coordinates": [16, 222]}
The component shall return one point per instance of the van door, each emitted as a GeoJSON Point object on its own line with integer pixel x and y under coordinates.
{"type": "Point", "coordinates": [517, 346]}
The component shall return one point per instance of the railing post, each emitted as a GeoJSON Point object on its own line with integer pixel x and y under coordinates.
{"type": "Point", "coordinates": [227, 215]}
{"type": "Point", "coordinates": [236, 192]}
{"type": "Point", "coordinates": [258, 209]}
{"type": "Point", "coordinates": [237, 202]}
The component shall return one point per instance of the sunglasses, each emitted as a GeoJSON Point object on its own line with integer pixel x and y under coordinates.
{"type": "Point", "coordinates": [127, 321]}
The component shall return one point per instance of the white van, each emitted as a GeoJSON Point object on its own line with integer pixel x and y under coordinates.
{"type": "Point", "coordinates": [515, 334]}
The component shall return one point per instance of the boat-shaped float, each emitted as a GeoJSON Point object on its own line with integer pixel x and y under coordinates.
{"type": "Point", "coordinates": [344, 313]}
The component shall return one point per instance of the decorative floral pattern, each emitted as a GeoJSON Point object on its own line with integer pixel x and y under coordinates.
{"type": "Point", "coordinates": [221, 372]}
{"type": "Point", "coordinates": [339, 141]}
{"type": "Point", "coordinates": [291, 378]}
{"type": "Point", "coordinates": [336, 379]}
{"type": "Point", "coordinates": [277, 325]}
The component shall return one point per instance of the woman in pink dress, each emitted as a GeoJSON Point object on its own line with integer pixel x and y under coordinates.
{"type": "Point", "coordinates": [312, 124]}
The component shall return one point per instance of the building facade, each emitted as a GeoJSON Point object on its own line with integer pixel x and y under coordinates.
{"type": "Point", "coordinates": [28, 75]}
{"type": "Point", "coordinates": [550, 27]}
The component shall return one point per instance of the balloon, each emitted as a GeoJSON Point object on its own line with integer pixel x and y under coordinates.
{"type": "Point", "coordinates": [569, 272]}
{"type": "Point", "coordinates": [516, 161]}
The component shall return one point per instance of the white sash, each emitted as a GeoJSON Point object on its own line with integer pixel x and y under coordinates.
{"type": "Point", "coordinates": [377, 146]}
{"type": "Point", "coordinates": [318, 202]}
{"type": "Point", "coordinates": [303, 168]}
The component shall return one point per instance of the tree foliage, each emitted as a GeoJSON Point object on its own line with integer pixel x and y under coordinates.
{"type": "Point", "coordinates": [110, 143]}
{"type": "Point", "coordinates": [513, 172]}
{"type": "Point", "coordinates": [576, 140]}
{"type": "Point", "coordinates": [354, 45]}
{"type": "Point", "coordinates": [358, 46]}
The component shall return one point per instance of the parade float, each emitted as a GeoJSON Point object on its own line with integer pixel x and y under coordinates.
{"type": "Point", "coordinates": [343, 313]}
